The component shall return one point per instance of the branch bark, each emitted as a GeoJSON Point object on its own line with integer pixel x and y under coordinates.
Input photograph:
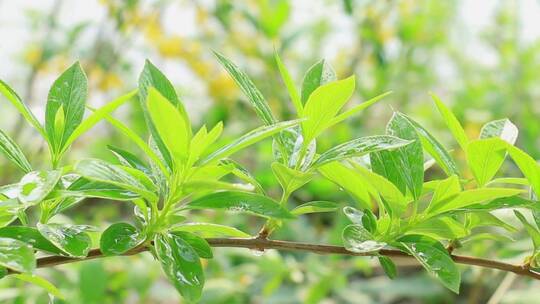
{"type": "Point", "coordinates": [263, 244]}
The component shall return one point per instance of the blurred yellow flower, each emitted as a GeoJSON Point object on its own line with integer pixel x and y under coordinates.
{"type": "Point", "coordinates": [170, 46]}
{"type": "Point", "coordinates": [223, 86]}
{"type": "Point", "coordinates": [33, 55]}
{"type": "Point", "coordinates": [104, 80]}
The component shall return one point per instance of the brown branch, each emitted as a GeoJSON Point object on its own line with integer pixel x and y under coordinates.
{"type": "Point", "coordinates": [262, 244]}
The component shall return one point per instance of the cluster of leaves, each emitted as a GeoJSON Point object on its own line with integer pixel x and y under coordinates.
{"type": "Point", "coordinates": [185, 170]}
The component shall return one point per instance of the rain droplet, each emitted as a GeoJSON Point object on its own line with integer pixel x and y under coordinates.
{"type": "Point", "coordinates": [257, 252]}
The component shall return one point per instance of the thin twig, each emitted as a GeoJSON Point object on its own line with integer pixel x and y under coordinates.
{"type": "Point", "coordinates": [262, 244]}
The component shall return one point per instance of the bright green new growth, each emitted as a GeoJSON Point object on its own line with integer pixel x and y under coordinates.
{"type": "Point", "coordinates": [394, 204]}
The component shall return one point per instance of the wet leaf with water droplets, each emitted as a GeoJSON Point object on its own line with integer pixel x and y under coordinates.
{"type": "Point", "coordinates": [84, 188]}
{"type": "Point", "coordinates": [366, 218]}
{"type": "Point", "coordinates": [437, 262]}
{"type": "Point", "coordinates": [432, 146]}
{"type": "Point", "coordinates": [360, 146]}
{"type": "Point", "coordinates": [36, 185]}
{"type": "Point", "coordinates": [404, 166]}
{"type": "Point", "coordinates": [65, 102]}
{"type": "Point", "coordinates": [71, 239]}
{"type": "Point", "coordinates": [119, 238]}
{"type": "Point", "coordinates": [12, 151]}
{"type": "Point", "coordinates": [243, 202]}
{"type": "Point", "coordinates": [358, 239]}
{"type": "Point", "coordinates": [17, 255]}
{"type": "Point", "coordinates": [290, 179]}
{"type": "Point", "coordinates": [502, 128]}
{"type": "Point", "coordinates": [9, 210]}
{"type": "Point", "coordinates": [199, 244]}
{"type": "Point", "coordinates": [249, 89]}
{"type": "Point", "coordinates": [124, 177]}
{"type": "Point", "coordinates": [246, 140]}
{"type": "Point", "coordinates": [181, 264]}
{"type": "Point", "coordinates": [318, 74]}
{"type": "Point", "coordinates": [31, 236]}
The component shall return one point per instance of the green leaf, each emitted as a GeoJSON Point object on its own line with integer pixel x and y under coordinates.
{"type": "Point", "coordinates": [484, 218]}
{"type": "Point", "coordinates": [83, 187]}
{"type": "Point", "coordinates": [59, 127]}
{"type": "Point", "coordinates": [97, 116]}
{"type": "Point", "coordinates": [139, 142]}
{"type": "Point", "coordinates": [36, 185]}
{"type": "Point", "coordinates": [531, 230]}
{"type": "Point", "coordinates": [404, 166]}
{"type": "Point", "coordinates": [440, 228]}
{"type": "Point", "coordinates": [65, 103]}
{"type": "Point", "coordinates": [528, 166]}
{"type": "Point", "coordinates": [242, 201]}
{"type": "Point", "coordinates": [485, 157]}
{"type": "Point", "coordinates": [12, 151]}
{"type": "Point", "coordinates": [247, 86]}
{"type": "Point", "coordinates": [315, 207]}
{"type": "Point", "coordinates": [3, 272]}
{"type": "Point", "coordinates": [290, 179]}
{"type": "Point", "coordinates": [202, 140]}
{"type": "Point", "coordinates": [317, 75]}
{"type": "Point", "coordinates": [12, 97]}
{"type": "Point", "coordinates": [181, 264]}
{"type": "Point", "coordinates": [438, 263]}
{"type": "Point", "coordinates": [358, 147]}
{"type": "Point", "coordinates": [503, 129]}
{"type": "Point", "coordinates": [451, 122]}
{"type": "Point", "coordinates": [510, 180]}
{"type": "Point", "coordinates": [478, 237]}
{"type": "Point", "coordinates": [290, 149]}
{"type": "Point", "coordinates": [17, 255]}
{"type": "Point", "coordinates": [150, 77]}
{"type": "Point", "coordinates": [71, 239]}
{"type": "Point", "coordinates": [124, 177]}
{"type": "Point", "coordinates": [211, 172]}
{"type": "Point", "coordinates": [445, 190]}
{"type": "Point", "coordinates": [349, 180]}
{"type": "Point", "coordinates": [388, 266]}
{"type": "Point", "coordinates": [199, 244]}
{"type": "Point", "coordinates": [358, 239]}
{"type": "Point", "coordinates": [394, 201]}
{"type": "Point", "coordinates": [434, 148]}
{"type": "Point", "coordinates": [357, 109]}
{"type": "Point", "coordinates": [171, 126]}
{"type": "Point", "coordinates": [41, 282]}
{"type": "Point", "coordinates": [9, 210]}
{"type": "Point", "coordinates": [503, 203]}
{"type": "Point", "coordinates": [323, 105]}
{"type": "Point", "coordinates": [289, 83]}
{"type": "Point", "coordinates": [129, 159]}
{"type": "Point", "coordinates": [119, 238]}
{"type": "Point", "coordinates": [242, 173]}
{"type": "Point", "coordinates": [30, 236]}
{"type": "Point", "coordinates": [211, 230]}
{"type": "Point", "coordinates": [206, 186]}
{"type": "Point", "coordinates": [247, 140]}
{"type": "Point", "coordinates": [470, 197]}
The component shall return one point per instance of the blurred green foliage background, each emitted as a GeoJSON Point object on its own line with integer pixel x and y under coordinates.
{"type": "Point", "coordinates": [481, 57]}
